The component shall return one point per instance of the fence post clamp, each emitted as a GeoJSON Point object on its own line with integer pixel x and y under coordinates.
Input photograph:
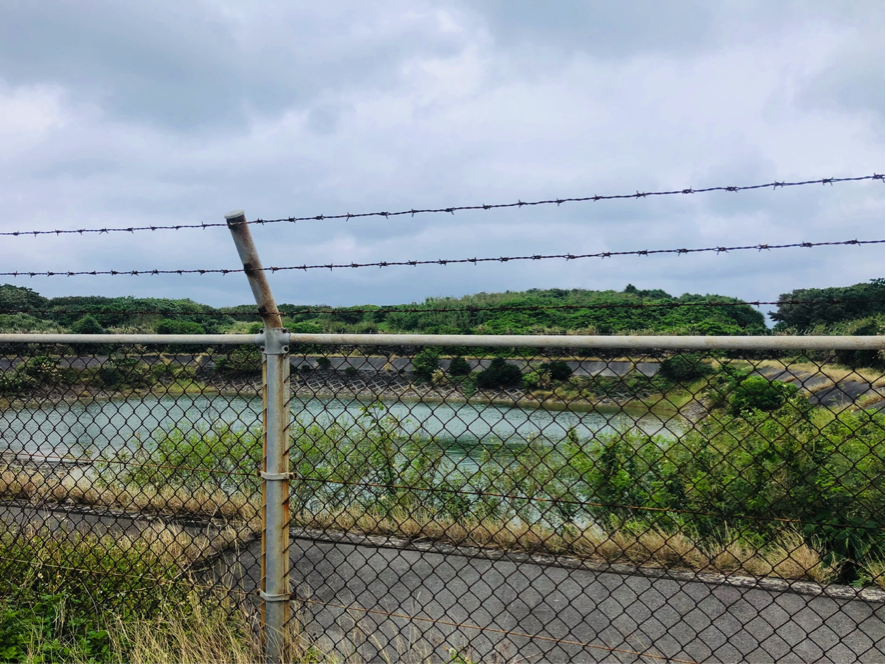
{"type": "Point", "coordinates": [278, 477]}
{"type": "Point", "coordinates": [273, 340]}
{"type": "Point", "coordinates": [273, 598]}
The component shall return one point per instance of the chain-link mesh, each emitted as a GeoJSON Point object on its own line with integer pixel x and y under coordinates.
{"type": "Point", "coordinates": [466, 505]}
{"type": "Point", "coordinates": [128, 474]}
{"type": "Point", "coordinates": [559, 506]}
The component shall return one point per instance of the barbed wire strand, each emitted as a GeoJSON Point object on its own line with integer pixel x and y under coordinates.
{"type": "Point", "coordinates": [452, 209]}
{"type": "Point", "coordinates": [495, 630]}
{"type": "Point", "coordinates": [446, 261]}
{"type": "Point", "coordinates": [424, 310]}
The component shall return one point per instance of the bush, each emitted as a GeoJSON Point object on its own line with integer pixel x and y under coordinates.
{"type": "Point", "coordinates": [174, 371]}
{"type": "Point", "coordinates": [459, 366]}
{"type": "Point", "coordinates": [559, 370]}
{"type": "Point", "coordinates": [351, 372]}
{"type": "Point", "coordinates": [41, 369]}
{"type": "Point", "coordinates": [855, 359]}
{"type": "Point", "coordinates": [125, 372]}
{"type": "Point", "coordinates": [684, 368]}
{"type": "Point", "coordinates": [168, 326]}
{"type": "Point", "coordinates": [12, 382]}
{"type": "Point", "coordinates": [537, 379]}
{"type": "Point", "coordinates": [499, 374]}
{"type": "Point", "coordinates": [323, 363]}
{"type": "Point", "coordinates": [87, 325]}
{"type": "Point", "coordinates": [241, 361]}
{"type": "Point", "coordinates": [426, 362]}
{"type": "Point", "coordinates": [758, 393]}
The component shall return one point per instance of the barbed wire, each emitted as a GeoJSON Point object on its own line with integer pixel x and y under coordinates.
{"type": "Point", "coordinates": [452, 209]}
{"type": "Point", "coordinates": [425, 310]}
{"type": "Point", "coordinates": [442, 261]}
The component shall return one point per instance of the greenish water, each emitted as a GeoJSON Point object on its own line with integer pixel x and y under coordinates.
{"type": "Point", "coordinates": [79, 430]}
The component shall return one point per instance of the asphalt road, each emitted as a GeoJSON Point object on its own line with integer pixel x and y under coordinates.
{"type": "Point", "coordinates": [546, 613]}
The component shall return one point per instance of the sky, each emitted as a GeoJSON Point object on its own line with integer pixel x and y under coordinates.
{"type": "Point", "coordinates": [176, 112]}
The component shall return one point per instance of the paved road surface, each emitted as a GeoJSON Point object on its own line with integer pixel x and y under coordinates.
{"type": "Point", "coordinates": [676, 618]}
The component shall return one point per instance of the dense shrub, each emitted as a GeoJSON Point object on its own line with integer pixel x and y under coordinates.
{"type": "Point", "coordinates": [87, 325]}
{"type": "Point", "coordinates": [125, 372]}
{"type": "Point", "coordinates": [12, 382]}
{"type": "Point", "coordinates": [559, 370]}
{"type": "Point", "coordinates": [459, 366]}
{"type": "Point", "coordinates": [426, 362]}
{"type": "Point", "coordinates": [169, 326]}
{"type": "Point", "coordinates": [41, 369]}
{"type": "Point", "coordinates": [684, 368]}
{"type": "Point", "coordinates": [537, 379]}
{"type": "Point", "coordinates": [759, 393]}
{"type": "Point", "coordinates": [499, 374]}
{"type": "Point", "coordinates": [863, 358]}
{"type": "Point", "coordinates": [241, 361]}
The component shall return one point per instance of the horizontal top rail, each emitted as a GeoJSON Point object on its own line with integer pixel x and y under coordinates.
{"type": "Point", "coordinates": [613, 341]}
{"type": "Point", "coordinates": [143, 339]}
{"type": "Point", "coordinates": [516, 341]}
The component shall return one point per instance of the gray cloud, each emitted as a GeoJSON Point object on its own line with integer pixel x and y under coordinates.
{"type": "Point", "coordinates": [136, 114]}
{"type": "Point", "coordinates": [197, 66]}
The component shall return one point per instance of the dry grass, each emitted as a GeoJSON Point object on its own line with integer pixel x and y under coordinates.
{"type": "Point", "coordinates": [788, 557]}
{"type": "Point", "coordinates": [875, 569]}
{"type": "Point", "coordinates": [209, 632]}
{"type": "Point", "coordinates": [205, 632]}
{"type": "Point", "coordinates": [834, 372]}
{"type": "Point", "coordinates": [38, 487]}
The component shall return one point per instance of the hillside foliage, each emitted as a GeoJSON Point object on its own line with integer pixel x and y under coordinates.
{"type": "Point", "coordinates": [587, 312]}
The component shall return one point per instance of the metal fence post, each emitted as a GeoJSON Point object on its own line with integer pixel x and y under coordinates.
{"type": "Point", "coordinates": [274, 341]}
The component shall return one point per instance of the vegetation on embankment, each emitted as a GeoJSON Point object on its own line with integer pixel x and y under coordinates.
{"type": "Point", "coordinates": [794, 491]}
{"type": "Point", "coordinates": [855, 309]}
{"type": "Point", "coordinates": [70, 597]}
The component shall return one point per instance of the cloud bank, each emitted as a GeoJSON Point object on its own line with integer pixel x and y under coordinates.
{"type": "Point", "coordinates": [120, 114]}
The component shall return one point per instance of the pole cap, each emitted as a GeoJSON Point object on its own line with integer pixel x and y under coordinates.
{"type": "Point", "coordinates": [234, 214]}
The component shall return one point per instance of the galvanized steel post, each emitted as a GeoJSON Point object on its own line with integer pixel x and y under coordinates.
{"type": "Point", "coordinates": [274, 342]}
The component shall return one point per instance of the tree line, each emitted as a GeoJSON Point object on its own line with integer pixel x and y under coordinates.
{"type": "Point", "coordinates": [859, 311]}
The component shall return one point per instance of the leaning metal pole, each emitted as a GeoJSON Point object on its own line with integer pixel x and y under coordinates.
{"type": "Point", "coordinates": [274, 341]}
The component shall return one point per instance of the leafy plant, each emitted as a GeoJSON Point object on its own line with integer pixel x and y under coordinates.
{"type": "Point", "coordinates": [499, 374]}
{"type": "Point", "coordinates": [759, 393]}
{"type": "Point", "coordinates": [240, 361]}
{"type": "Point", "coordinates": [426, 362]}
{"type": "Point", "coordinates": [459, 366]}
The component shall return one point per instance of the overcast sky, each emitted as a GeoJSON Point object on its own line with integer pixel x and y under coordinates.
{"type": "Point", "coordinates": [141, 113]}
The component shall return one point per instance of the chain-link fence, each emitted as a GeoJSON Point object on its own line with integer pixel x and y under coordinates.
{"type": "Point", "coordinates": [556, 499]}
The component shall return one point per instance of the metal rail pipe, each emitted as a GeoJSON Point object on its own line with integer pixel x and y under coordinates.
{"type": "Point", "coordinates": [574, 341]}
{"type": "Point", "coordinates": [518, 341]}
{"type": "Point", "coordinates": [142, 339]}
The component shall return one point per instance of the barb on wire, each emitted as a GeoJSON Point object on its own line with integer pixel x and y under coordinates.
{"type": "Point", "coordinates": [450, 209]}
{"type": "Point", "coordinates": [426, 310]}
{"type": "Point", "coordinates": [492, 259]}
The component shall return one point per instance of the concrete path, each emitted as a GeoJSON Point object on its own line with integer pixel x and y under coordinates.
{"type": "Point", "coordinates": [574, 615]}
